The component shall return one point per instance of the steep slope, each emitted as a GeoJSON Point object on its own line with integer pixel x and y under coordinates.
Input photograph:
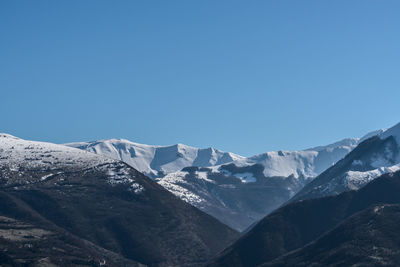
{"type": "Point", "coordinates": [237, 203]}
{"type": "Point", "coordinates": [105, 202]}
{"type": "Point", "coordinates": [244, 191]}
{"type": "Point", "coordinates": [371, 158]}
{"type": "Point", "coordinates": [368, 238]}
{"type": "Point", "coordinates": [295, 225]}
{"type": "Point", "coordinates": [156, 161]}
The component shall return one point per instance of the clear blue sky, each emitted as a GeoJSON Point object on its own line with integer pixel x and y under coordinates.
{"type": "Point", "coordinates": [242, 76]}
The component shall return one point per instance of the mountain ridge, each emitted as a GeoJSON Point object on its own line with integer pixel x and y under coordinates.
{"type": "Point", "coordinates": [133, 215]}
{"type": "Point", "coordinates": [238, 192]}
{"type": "Point", "coordinates": [374, 156]}
{"type": "Point", "coordinates": [154, 160]}
{"type": "Point", "coordinates": [296, 224]}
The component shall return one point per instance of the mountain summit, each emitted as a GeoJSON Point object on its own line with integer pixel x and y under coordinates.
{"type": "Point", "coordinates": [157, 161]}
{"type": "Point", "coordinates": [373, 157]}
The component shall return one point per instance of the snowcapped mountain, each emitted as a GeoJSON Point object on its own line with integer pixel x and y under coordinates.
{"type": "Point", "coordinates": [156, 161]}
{"type": "Point", "coordinates": [237, 196]}
{"type": "Point", "coordinates": [17, 153]}
{"type": "Point", "coordinates": [24, 161]}
{"type": "Point", "coordinates": [373, 157]}
{"type": "Point", "coordinates": [235, 189]}
{"type": "Point", "coordinates": [306, 163]}
{"type": "Point", "coordinates": [244, 191]}
{"type": "Point", "coordinates": [100, 201]}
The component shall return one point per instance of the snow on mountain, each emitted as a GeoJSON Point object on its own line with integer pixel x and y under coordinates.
{"type": "Point", "coordinates": [245, 190]}
{"type": "Point", "coordinates": [372, 134]}
{"type": "Point", "coordinates": [307, 163]}
{"type": "Point", "coordinates": [394, 131]}
{"type": "Point", "coordinates": [16, 153]}
{"type": "Point", "coordinates": [19, 158]}
{"type": "Point", "coordinates": [303, 163]}
{"type": "Point", "coordinates": [260, 183]}
{"type": "Point", "coordinates": [386, 162]}
{"type": "Point", "coordinates": [356, 179]}
{"type": "Point", "coordinates": [378, 153]}
{"type": "Point", "coordinates": [96, 197]}
{"type": "Point", "coordinates": [237, 190]}
{"type": "Point", "coordinates": [382, 163]}
{"type": "Point", "coordinates": [237, 196]}
{"type": "Point", "coordinates": [156, 161]}
{"type": "Point", "coordinates": [174, 182]}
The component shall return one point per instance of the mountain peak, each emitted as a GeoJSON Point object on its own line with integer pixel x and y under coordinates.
{"type": "Point", "coordinates": [156, 161]}
{"type": "Point", "coordinates": [351, 142]}
{"type": "Point", "coordinates": [5, 135]}
{"type": "Point", "coordinates": [393, 131]}
{"type": "Point", "coordinates": [17, 152]}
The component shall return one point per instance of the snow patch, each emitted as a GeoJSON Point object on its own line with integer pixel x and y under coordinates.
{"type": "Point", "coordinates": [357, 163]}
{"type": "Point", "coordinates": [172, 182]}
{"type": "Point", "coordinates": [377, 209]}
{"type": "Point", "coordinates": [122, 175]}
{"type": "Point", "coordinates": [203, 176]}
{"type": "Point", "coordinates": [357, 179]}
{"type": "Point", "coordinates": [246, 177]}
{"type": "Point", "coordinates": [46, 177]}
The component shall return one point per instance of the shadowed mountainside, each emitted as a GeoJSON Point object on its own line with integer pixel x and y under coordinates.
{"type": "Point", "coordinates": [297, 224]}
